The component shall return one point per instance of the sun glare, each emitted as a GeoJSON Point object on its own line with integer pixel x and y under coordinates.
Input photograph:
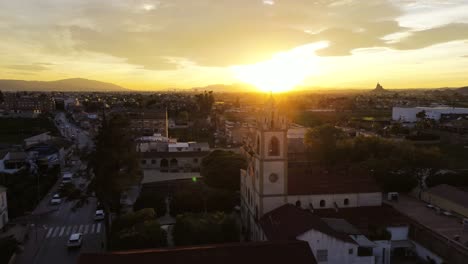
{"type": "Point", "coordinates": [283, 71]}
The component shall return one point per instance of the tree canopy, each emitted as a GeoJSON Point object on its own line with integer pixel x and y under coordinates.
{"type": "Point", "coordinates": [198, 229]}
{"type": "Point", "coordinates": [397, 166]}
{"type": "Point", "coordinates": [137, 230]}
{"type": "Point", "coordinates": [114, 162]}
{"type": "Point", "coordinates": [322, 143]}
{"type": "Point", "coordinates": [196, 198]}
{"type": "Point", "coordinates": [221, 169]}
{"type": "Point", "coordinates": [205, 102]}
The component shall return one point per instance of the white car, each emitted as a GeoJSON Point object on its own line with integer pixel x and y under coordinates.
{"type": "Point", "coordinates": [75, 240]}
{"type": "Point", "coordinates": [55, 201]}
{"type": "Point", "coordinates": [56, 196]}
{"type": "Point", "coordinates": [99, 215]}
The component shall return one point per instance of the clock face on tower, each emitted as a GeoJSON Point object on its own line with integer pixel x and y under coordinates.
{"type": "Point", "coordinates": [273, 177]}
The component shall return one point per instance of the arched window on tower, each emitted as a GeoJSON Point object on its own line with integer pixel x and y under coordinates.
{"type": "Point", "coordinates": [273, 147]}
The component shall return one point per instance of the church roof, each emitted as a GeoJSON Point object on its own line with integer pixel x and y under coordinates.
{"type": "Point", "coordinates": [288, 221]}
{"type": "Point", "coordinates": [277, 252]}
{"type": "Point", "coordinates": [307, 179]}
{"type": "Point", "coordinates": [364, 217]}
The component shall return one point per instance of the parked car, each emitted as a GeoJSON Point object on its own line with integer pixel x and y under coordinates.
{"type": "Point", "coordinates": [55, 201]}
{"type": "Point", "coordinates": [99, 215]}
{"type": "Point", "coordinates": [56, 196]}
{"type": "Point", "coordinates": [75, 240]}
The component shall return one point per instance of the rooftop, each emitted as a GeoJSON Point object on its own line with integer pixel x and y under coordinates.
{"type": "Point", "coordinates": [288, 221]}
{"type": "Point", "coordinates": [450, 193]}
{"type": "Point", "coordinates": [305, 179]}
{"type": "Point", "coordinates": [447, 226]}
{"type": "Point", "coordinates": [364, 217]}
{"type": "Point", "coordinates": [235, 253]}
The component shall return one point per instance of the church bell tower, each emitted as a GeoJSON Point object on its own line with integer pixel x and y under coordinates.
{"type": "Point", "coordinates": [271, 153]}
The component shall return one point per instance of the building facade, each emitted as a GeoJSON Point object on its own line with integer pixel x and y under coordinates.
{"type": "Point", "coordinates": [149, 123]}
{"type": "Point", "coordinates": [272, 179]}
{"type": "Point", "coordinates": [408, 114]}
{"type": "Point", "coordinates": [3, 207]}
{"type": "Point", "coordinates": [18, 102]}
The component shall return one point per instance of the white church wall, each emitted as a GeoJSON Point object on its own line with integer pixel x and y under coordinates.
{"type": "Point", "coordinates": [398, 232]}
{"type": "Point", "coordinates": [370, 199]}
{"type": "Point", "coordinates": [271, 203]}
{"type": "Point", "coordinates": [273, 187]}
{"type": "Point", "coordinates": [425, 254]}
{"type": "Point", "coordinates": [382, 252]}
{"type": "Point", "coordinates": [337, 251]}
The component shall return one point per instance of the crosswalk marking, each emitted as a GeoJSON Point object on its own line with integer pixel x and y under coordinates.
{"type": "Point", "coordinates": [61, 231]}
{"type": "Point", "coordinates": [56, 231]}
{"type": "Point", "coordinates": [66, 230]}
{"type": "Point", "coordinates": [49, 233]}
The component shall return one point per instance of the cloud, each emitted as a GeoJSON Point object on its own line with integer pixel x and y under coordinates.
{"type": "Point", "coordinates": [28, 67]}
{"type": "Point", "coordinates": [225, 33]}
{"type": "Point", "coordinates": [429, 37]}
{"type": "Point", "coordinates": [150, 34]}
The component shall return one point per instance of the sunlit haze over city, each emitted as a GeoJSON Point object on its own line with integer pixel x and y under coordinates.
{"type": "Point", "coordinates": [234, 131]}
{"type": "Point", "coordinates": [273, 45]}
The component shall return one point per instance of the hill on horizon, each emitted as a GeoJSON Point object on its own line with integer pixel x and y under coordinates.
{"type": "Point", "coordinates": [463, 90]}
{"type": "Point", "coordinates": [65, 85]}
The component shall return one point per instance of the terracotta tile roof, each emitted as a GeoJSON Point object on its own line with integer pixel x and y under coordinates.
{"type": "Point", "coordinates": [278, 252]}
{"type": "Point", "coordinates": [288, 221]}
{"type": "Point", "coordinates": [306, 179]}
{"type": "Point", "coordinates": [450, 193]}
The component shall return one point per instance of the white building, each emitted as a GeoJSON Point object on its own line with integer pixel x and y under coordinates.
{"type": "Point", "coordinates": [271, 180]}
{"type": "Point", "coordinates": [408, 114]}
{"type": "Point", "coordinates": [12, 161]}
{"type": "Point", "coordinates": [331, 240]}
{"type": "Point", "coordinates": [284, 196]}
{"type": "Point", "coordinates": [3, 207]}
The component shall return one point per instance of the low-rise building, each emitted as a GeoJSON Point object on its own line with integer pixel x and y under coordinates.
{"type": "Point", "coordinates": [18, 102]}
{"type": "Point", "coordinates": [149, 122]}
{"type": "Point", "coordinates": [409, 114]}
{"type": "Point", "coordinates": [3, 207]}
{"type": "Point", "coordinates": [12, 161]}
{"type": "Point", "coordinates": [448, 198]}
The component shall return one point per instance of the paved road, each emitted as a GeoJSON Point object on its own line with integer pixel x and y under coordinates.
{"type": "Point", "coordinates": [70, 130]}
{"type": "Point", "coordinates": [51, 225]}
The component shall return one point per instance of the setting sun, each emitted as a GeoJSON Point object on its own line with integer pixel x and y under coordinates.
{"type": "Point", "coordinates": [283, 71]}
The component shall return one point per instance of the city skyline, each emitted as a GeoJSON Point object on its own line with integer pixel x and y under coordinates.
{"type": "Point", "coordinates": [273, 45]}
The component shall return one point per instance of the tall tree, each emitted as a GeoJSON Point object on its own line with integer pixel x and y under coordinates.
{"type": "Point", "coordinates": [205, 102]}
{"type": "Point", "coordinates": [322, 141]}
{"type": "Point", "coordinates": [221, 169]}
{"type": "Point", "coordinates": [114, 162]}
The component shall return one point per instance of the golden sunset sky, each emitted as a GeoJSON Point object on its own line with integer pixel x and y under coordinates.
{"type": "Point", "coordinates": [272, 44]}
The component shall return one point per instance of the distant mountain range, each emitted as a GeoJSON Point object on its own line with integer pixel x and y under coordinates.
{"type": "Point", "coordinates": [85, 85]}
{"type": "Point", "coordinates": [74, 84]}
{"type": "Point", "coordinates": [463, 90]}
